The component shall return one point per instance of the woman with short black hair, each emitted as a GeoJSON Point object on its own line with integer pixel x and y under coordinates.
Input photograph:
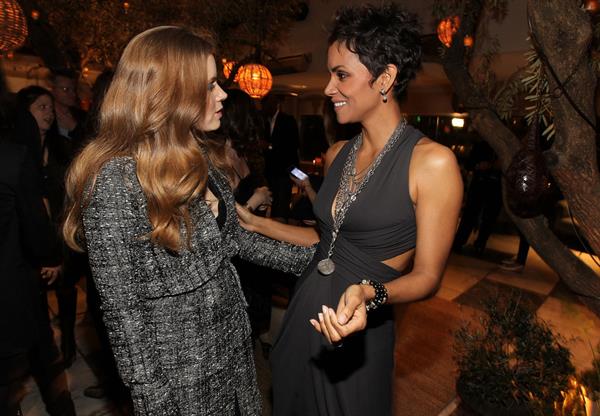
{"type": "Point", "coordinates": [387, 213]}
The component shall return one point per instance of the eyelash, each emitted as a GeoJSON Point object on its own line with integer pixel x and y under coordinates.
{"type": "Point", "coordinates": [341, 75]}
{"type": "Point", "coordinates": [212, 85]}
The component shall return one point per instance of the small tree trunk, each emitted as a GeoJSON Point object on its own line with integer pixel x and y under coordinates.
{"type": "Point", "coordinates": [572, 271]}
{"type": "Point", "coordinates": [564, 33]}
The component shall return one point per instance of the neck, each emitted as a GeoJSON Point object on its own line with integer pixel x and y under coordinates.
{"type": "Point", "coordinates": [378, 128]}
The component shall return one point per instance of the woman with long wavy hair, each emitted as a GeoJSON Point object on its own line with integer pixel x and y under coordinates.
{"type": "Point", "coordinates": [150, 199]}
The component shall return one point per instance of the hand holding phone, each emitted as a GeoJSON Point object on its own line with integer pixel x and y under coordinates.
{"type": "Point", "coordinates": [298, 174]}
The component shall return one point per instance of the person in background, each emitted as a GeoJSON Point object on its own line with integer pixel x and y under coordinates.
{"type": "Point", "coordinates": [387, 213]}
{"type": "Point", "coordinates": [281, 154]}
{"type": "Point", "coordinates": [484, 197]}
{"type": "Point", "coordinates": [70, 122]}
{"type": "Point", "coordinates": [70, 118]}
{"type": "Point", "coordinates": [150, 198]}
{"type": "Point", "coordinates": [242, 130]}
{"type": "Point", "coordinates": [29, 260]}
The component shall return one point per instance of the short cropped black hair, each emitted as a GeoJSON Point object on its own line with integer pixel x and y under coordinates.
{"type": "Point", "coordinates": [63, 72]}
{"type": "Point", "coordinates": [381, 35]}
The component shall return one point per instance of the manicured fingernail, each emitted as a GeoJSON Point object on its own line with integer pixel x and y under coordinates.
{"type": "Point", "coordinates": [320, 316]}
{"type": "Point", "coordinates": [313, 322]}
{"type": "Point", "coordinates": [342, 319]}
{"type": "Point", "coordinates": [324, 308]}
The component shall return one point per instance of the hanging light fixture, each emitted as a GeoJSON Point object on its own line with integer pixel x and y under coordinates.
{"type": "Point", "coordinates": [255, 80]}
{"type": "Point", "coordinates": [591, 6]}
{"type": "Point", "coordinates": [447, 28]}
{"type": "Point", "coordinates": [228, 67]}
{"type": "Point", "coordinates": [468, 41]}
{"type": "Point", "coordinates": [13, 27]}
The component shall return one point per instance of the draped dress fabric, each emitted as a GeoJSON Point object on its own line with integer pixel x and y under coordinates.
{"type": "Point", "coordinates": [310, 377]}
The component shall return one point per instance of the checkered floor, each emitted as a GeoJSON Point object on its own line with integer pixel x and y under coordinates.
{"type": "Point", "coordinates": [468, 279]}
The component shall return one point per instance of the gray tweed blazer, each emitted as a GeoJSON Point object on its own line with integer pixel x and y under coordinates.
{"type": "Point", "coordinates": [177, 322]}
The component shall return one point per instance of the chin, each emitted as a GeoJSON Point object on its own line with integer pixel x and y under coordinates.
{"type": "Point", "coordinates": [345, 120]}
{"type": "Point", "coordinates": [210, 126]}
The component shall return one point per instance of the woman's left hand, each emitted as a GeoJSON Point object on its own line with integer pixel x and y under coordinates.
{"type": "Point", "coordinates": [351, 316]}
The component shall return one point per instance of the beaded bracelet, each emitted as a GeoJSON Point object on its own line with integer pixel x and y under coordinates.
{"type": "Point", "coordinates": [381, 294]}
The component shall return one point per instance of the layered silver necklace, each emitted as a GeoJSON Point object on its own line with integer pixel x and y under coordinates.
{"type": "Point", "coordinates": [350, 187]}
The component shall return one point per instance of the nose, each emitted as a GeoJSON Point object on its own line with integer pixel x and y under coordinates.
{"type": "Point", "coordinates": [330, 89]}
{"type": "Point", "coordinates": [222, 94]}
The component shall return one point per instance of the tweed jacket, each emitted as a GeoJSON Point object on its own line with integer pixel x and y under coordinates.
{"type": "Point", "coordinates": [177, 322]}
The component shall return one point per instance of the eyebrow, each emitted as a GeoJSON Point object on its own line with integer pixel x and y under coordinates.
{"type": "Point", "coordinates": [211, 80]}
{"type": "Point", "coordinates": [335, 68]}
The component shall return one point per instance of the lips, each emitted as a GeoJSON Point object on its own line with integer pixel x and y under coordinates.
{"type": "Point", "coordinates": [339, 104]}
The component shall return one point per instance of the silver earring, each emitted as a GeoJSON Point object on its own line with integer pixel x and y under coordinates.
{"type": "Point", "coordinates": [383, 95]}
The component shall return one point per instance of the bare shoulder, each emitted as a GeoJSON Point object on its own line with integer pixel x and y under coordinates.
{"type": "Point", "coordinates": [431, 157]}
{"type": "Point", "coordinates": [433, 170]}
{"type": "Point", "coordinates": [332, 153]}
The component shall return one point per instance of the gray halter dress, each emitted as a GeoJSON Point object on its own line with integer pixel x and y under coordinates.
{"type": "Point", "coordinates": [309, 376]}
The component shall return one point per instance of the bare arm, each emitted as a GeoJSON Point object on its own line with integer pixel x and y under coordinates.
{"type": "Point", "coordinates": [437, 195]}
{"type": "Point", "coordinates": [302, 236]}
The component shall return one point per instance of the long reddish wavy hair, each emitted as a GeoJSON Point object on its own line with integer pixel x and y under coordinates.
{"type": "Point", "coordinates": [150, 112]}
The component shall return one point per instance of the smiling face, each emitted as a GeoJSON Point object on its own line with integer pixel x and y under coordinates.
{"type": "Point", "coordinates": [214, 97]}
{"type": "Point", "coordinates": [354, 97]}
{"type": "Point", "coordinates": [42, 109]}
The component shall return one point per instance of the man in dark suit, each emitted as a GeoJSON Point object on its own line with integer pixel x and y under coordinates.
{"type": "Point", "coordinates": [281, 154]}
{"type": "Point", "coordinates": [28, 244]}
{"type": "Point", "coordinates": [70, 123]}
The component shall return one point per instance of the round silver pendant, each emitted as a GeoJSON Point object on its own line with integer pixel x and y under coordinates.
{"type": "Point", "coordinates": [326, 266]}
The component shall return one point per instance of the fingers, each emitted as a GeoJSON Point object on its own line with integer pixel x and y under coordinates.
{"type": "Point", "coordinates": [327, 325]}
{"type": "Point", "coordinates": [336, 332]}
{"type": "Point", "coordinates": [50, 274]}
{"type": "Point", "coordinates": [316, 325]}
{"type": "Point", "coordinates": [244, 215]}
{"type": "Point", "coordinates": [52, 278]}
{"type": "Point", "coordinates": [351, 299]}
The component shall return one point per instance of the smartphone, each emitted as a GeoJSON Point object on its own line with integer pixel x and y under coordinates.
{"type": "Point", "coordinates": [298, 173]}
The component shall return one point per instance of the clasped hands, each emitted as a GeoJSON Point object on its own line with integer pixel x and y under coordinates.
{"type": "Point", "coordinates": [350, 317]}
{"type": "Point", "coordinates": [50, 274]}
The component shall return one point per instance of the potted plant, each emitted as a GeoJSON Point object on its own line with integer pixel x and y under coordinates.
{"type": "Point", "coordinates": [512, 364]}
{"type": "Point", "coordinates": [591, 380]}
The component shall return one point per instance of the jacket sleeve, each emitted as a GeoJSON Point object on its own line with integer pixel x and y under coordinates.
{"type": "Point", "coordinates": [264, 251]}
{"type": "Point", "coordinates": [110, 223]}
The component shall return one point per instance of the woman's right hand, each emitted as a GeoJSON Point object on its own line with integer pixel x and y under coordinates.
{"type": "Point", "coordinates": [247, 219]}
{"type": "Point", "coordinates": [351, 316]}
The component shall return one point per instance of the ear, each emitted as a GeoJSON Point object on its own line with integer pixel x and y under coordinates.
{"type": "Point", "coordinates": [387, 79]}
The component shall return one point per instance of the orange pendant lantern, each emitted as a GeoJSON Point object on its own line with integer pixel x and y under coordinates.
{"type": "Point", "coordinates": [228, 67]}
{"type": "Point", "coordinates": [592, 6]}
{"type": "Point", "coordinates": [13, 27]}
{"type": "Point", "coordinates": [446, 29]}
{"type": "Point", "coordinates": [468, 41]}
{"type": "Point", "coordinates": [255, 80]}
